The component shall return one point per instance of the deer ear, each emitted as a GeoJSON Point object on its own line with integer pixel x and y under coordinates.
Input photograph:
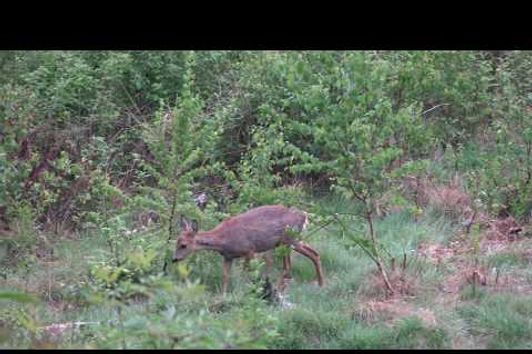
{"type": "Point", "coordinates": [194, 225]}
{"type": "Point", "coordinates": [184, 223]}
{"type": "Point", "coordinates": [188, 225]}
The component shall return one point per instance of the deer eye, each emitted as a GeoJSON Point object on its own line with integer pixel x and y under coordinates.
{"type": "Point", "coordinates": [182, 246]}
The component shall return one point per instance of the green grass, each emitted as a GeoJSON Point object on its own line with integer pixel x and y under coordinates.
{"type": "Point", "coordinates": [504, 319]}
{"type": "Point", "coordinates": [358, 336]}
{"type": "Point", "coordinates": [320, 317]}
{"type": "Point", "coordinates": [507, 260]}
{"type": "Point", "coordinates": [411, 334]}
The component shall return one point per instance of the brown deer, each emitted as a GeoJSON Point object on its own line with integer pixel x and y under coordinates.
{"type": "Point", "coordinates": [258, 230]}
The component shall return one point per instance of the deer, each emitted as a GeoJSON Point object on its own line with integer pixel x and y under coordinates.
{"type": "Point", "coordinates": [259, 230]}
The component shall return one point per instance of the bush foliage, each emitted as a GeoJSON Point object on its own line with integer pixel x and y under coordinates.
{"type": "Point", "coordinates": [112, 142]}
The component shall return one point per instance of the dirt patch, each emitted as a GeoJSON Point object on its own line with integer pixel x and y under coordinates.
{"type": "Point", "coordinates": [435, 253]}
{"type": "Point", "coordinates": [452, 284]}
{"type": "Point", "coordinates": [506, 229]}
{"type": "Point", "coordinates": [492, 279]}
{"type": "Point", "coordinates": [503, 234]}
{"type": "Point", "coordinates": [490, 247]}
{"type": "Point", "coordinates": [377, 305]}
{"type": "Point", "coordinates": [468, 273]}
{"type": "Point", "coordinates": [403, 283]}
{"type": "Point", "coordinates": [511, 282]}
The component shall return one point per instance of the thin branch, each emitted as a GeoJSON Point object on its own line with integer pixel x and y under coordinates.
{"type": "Point", "coordinates": [129, 97]}
{"type": "Point", "coordinates": [319, 228]}
{"type": "Point", "coordinates": [368, 252]}
{"type": "Point", "coordinates": [528, 171]}
{"type": "Point", "coordinates": [358, 196]}
{"type": "Point", "coordinates": [433, 108]}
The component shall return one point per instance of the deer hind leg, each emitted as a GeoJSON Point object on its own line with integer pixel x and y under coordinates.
{"type": "Point", "coordinates": [309, 252]}
{"type": "Point", "coordinates": [268, 259]}
{"type": "Point", "coordinates": [247, 259]}
{"type": "Point", "coordinates": [287, 265]}
{"type": "Point", "coordinates": [227, 270]}
{"type": "Point", "coordinates": [287, 273]}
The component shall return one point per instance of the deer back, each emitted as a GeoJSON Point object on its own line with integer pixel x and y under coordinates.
{"type": "Point", "coordinates": [259, 229]}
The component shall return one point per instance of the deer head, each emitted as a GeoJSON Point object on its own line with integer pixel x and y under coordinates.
{"type": "Point", "coordinates": [185, 242]}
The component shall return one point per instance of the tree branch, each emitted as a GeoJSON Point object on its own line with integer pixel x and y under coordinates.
{"type": "Point", "coordinates": [433, 108]}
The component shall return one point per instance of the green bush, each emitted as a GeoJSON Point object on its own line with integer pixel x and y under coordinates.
{"type": "Point", "coordinates": [89, 140]}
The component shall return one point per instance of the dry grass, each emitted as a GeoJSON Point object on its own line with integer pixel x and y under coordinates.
{"type": "Point", "coordinates": [505, 229]}
{"type": "Point", "coordinates": [374, 287]}
{"type": "Point", "coordinates": [470, 272]}
{"type": "Point", "coordinates": [392, 310]}
{"type": "Point", "coordinates": [435, 253]}
{"type": "Point", "coordinates": [450, 197]}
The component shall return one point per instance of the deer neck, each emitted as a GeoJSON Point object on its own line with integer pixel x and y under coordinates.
{"type": "Point", "coordinates": [209, 241]}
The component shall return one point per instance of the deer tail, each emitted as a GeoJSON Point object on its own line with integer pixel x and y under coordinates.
{"type": "Point", "coordinates": [306, 222]}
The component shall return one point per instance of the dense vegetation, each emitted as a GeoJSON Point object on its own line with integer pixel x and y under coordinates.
{"type": "Point", "coordinates": [415, 168]}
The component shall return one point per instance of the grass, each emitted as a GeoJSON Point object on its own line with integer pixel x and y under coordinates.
{"type": "Point", "coordinates": [507, 260]}
{"type": "Point", "coordinates": [504, 319]}
{"type": "Point", "coordinates": [182, 313]}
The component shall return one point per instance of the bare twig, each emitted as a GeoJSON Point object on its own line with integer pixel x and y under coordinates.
{"type": "Point", "coordinates": [433, 108]}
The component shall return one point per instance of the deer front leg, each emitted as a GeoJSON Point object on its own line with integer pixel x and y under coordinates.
{"type": "Point", "coordinates": [287, 265]}
{"type": "Point", "coordinates": [227, 270]}
{"type": "Point", "coordinates": [247, 267]}
{"type": "Point", "coordinates": [313, 255]}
